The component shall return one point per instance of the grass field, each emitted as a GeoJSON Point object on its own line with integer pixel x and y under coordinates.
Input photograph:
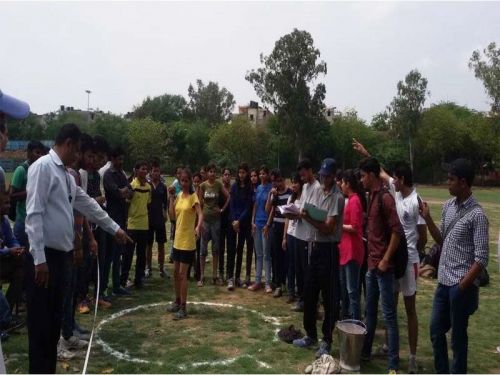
{"type": "Point", "coordinates": [223, 339]}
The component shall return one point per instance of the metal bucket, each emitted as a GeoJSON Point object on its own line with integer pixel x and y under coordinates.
{"type": "Point", "coordinates": [351, 337]}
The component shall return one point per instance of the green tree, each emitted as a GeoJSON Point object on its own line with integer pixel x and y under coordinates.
{"type": "Point", "coordinates": [285, 81]}
{"type": "Point", "coordinates": [112, 127]}
{"type": "Point", "coordinates": [146, 139]}
{"type": "Point", "coordinates": [165, 108]}
{"type": "Point", "coordinates": [209, 103]}
{"type": "Point", "coordinates": [237, 142]}
{"type": "Point", "coordinates": [380, 122]}
{"type": "Point", "coordinates": [487, 69]}
{"type": "Point", "coordinates": [187, 144]}
{"type": "Point", "coordinates": [406, 107]}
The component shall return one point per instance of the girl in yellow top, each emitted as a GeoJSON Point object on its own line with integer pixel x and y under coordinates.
{"type": "Point", "coordinates": [184, 208]}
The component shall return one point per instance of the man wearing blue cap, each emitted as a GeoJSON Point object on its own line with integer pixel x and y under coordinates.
{"type": "Point", "coordinates": [322, 273]}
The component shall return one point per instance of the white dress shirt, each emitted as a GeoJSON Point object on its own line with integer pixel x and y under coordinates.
{"type": "Point", "coordinates": [52, 194]}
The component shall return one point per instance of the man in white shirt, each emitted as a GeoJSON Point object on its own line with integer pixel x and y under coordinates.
{"type": "Point", "coordinates": [408, 209]}
{"type": "Point", "coordinates": [52, 195]}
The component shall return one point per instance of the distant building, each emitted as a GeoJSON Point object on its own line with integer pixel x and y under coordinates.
{"type": "Point", "coordinates": [254, 113]}
{"type": "Point", "coordinates": [90, 114]}
{"type": "Point", "coordinates": [330, 113]}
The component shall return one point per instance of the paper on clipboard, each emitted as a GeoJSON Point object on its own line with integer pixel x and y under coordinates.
{"type": "Point", "coordinates": [316, 213]}
{"type": "Point", "coordinates": [287, 209]}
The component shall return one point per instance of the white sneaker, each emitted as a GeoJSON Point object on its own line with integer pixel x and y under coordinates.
{"type": "Point", "coordinates": [73, 343]}
{"type": "Point", "coordinates": [64, 355]}
{"type": "Point", "coordinates": [230, 285]}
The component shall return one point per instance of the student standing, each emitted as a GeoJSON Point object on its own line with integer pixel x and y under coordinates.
{"type": "Point", "coordinates": [184, 208]}
{"type": "Point", "coordinates": [176, 184]}
{"type": "Point", "coordinates": [51, 197]}
{"type": "Point", "coordinates": [211, 192]}
{"type": "Point", "coordinates": [158, 214]}
{"type": "Point", "coordinates": [137, 225]}
{"type": "Point", "coordinates": [289, 242]}
{"type": "Point", "coordinates": [240, 229]}
{"type": "Point", "coordinates": [351, 248]}
{"type": "Point", "coordinates": [323, 270]}
{"type": "Point", "coordinates": [260, 230]}
{"type": "Point", "coordinates": [278, 196]}
{"type": "Point", "coordinates": [464, 239]}
{"type": "Point", "coordinates": [224, 220]}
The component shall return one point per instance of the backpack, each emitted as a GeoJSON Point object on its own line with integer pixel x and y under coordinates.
{"type": "Point", "coordinates": [400, 256]}
{"type": "Point", "coordinates": [13, 201]}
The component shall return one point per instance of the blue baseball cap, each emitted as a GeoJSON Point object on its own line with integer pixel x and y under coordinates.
{"type": "Point", "coordinates": [13, 107]}
{"type": "Point", "coordinates": [328, 167]}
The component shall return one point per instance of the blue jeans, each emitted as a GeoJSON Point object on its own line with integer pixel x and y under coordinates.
{"type": "Point", "coordinates": [290, 250]}
{"type": "Point", "coordinates": [451, 309]}
{"type": "Point", "coordinates": [20, 233]}
{"type": "Point", "coordinates": [349, 281]}
{"type": "Point", "coordinates": [5, 314]}
{"type": "Point", "coordinates": [381, 284]}
{"type": "Point", "coordinates": [263, 255]}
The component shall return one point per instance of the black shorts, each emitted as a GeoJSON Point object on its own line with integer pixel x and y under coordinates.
{"type": "Point", "coordinates": [183, 256]}
{"type": "Point", "coordinates": [158, 233]}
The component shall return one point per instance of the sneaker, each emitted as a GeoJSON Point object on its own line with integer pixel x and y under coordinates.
{"type": "Point", "coordinates": [83, 307]}
{"type": "Point", "coordinates": [181, 314]}
{"type": "Point", "coordinates": [269, 289]}
{"type": "Point", "coordinates": [121, 292]}
{"type": "Point", "coordinates": [247, 283]}
{"type": "Point", "coordinates": [163, 272]}
{"type": "Point", "coordinates": [64, 354]}
{"type": "Point", "coordinates": [298, 307]}
{"type": "Point", "coordinates": [412, 365]}
{"type": "Point", "coordinates": [324, 348]}
{"type": "Point", "coordinates": [230, 285]}
{"type": "Point", "coordinates": [81, 335]}
{"type": "Point", "coordinates": [73, 343]}
{"type": "Point", "coordinates": [255, 286]}
{"type": "Point", "coordinates": [148, 273]}
{"type": "Point", "coordinates": [392, 372]}
{"type": "Point", "coordinates": [200, 284]}
{"type": "Point", "coordinates": [304, 342]}
{"type": "Point", "coordinates": [103, 304]}
{"type": "Point", "coordinates": [277, 293]}
{"type": "Point", "coordinates": [129, 284]}
{"type": "Point", "coordinates": [174, 307]}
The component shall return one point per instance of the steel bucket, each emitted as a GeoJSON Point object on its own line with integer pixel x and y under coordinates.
{"type": "Point", "coordinates": [351, 337]}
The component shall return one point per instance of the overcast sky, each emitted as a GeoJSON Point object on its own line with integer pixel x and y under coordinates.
{"type": "Point", "coordinates": [51, 52]}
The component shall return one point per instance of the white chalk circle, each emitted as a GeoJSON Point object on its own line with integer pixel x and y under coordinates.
{"type": "Point", "coordinates": [125, 356]}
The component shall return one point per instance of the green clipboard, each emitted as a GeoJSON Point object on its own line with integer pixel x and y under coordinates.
{"type": "Point", "coordinates": [316, 213]}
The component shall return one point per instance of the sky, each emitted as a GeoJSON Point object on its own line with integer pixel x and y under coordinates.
{"type": "Point", "coordinates": [50, 53]}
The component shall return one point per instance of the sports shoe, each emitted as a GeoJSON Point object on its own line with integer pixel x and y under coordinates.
{"type": "Point", "coordinates": [129, 284]}
{"type": "Point", "coordinates": [305, 342]}
{"type": "Point", "coordinates": [104, 304]}
{"type": "Point", "coordinates": [392, 372]}
{"type": "Point", "coordinates": [163, 273]}
{"type": "Point", "coordinates": [73, 343]}
{"type": "Point", "coordinates": [277, 293]}
{"type": "Point", "coordinates": [230, 285]}
{"type": "Point", "coordinates": [81, 335]}
{"type": "Point", "coordinates": [298, 307]}
{"type": "Point", "coordinates": [269, 289]}
{"type": "Point", "coordinates": [247, 283]}
{"type": "Point", "coordinates": [412, 365]}
{"type": "Point", "coordinates": [200, 284]}
{"type": "Point", "coordinates": [148, 273]}
{"type": "Point", "coordinates": [174, 307]}
{"type": "Point", "coordinates": [255, 286]}
{"type": "Point", "coordinates": [120, 292]}
{"type": "Point", "coordinates": [324, 348]}
{"type": "Point", "coordinates": [64, 354]}
{"type": "Point", "coordinates": [181, 314]}
{"type": "Point", "coordinates": [83, 307]}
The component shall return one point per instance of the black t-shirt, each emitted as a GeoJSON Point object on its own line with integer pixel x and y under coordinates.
{"type": "Point", "coordinates": [159, 203]}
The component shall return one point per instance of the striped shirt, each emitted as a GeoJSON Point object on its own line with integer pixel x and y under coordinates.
{"type": "Point", "coordinates": [280, 200]}
{"type": "Point", "coordinates": [465, 244]}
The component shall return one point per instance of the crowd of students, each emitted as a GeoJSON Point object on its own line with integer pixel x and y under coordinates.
{"type": "Point", "coordinates": [333, 262]}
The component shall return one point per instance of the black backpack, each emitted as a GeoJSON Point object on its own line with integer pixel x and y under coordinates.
{"type": "Point", "coordinates": [13, 202]}
{"type": "Point", "coordinates": [400, 257]}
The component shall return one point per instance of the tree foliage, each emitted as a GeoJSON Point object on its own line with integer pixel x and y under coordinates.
{"type": "Point", "coordinates": [146, 139]}
{"type": "Point", "coordinates": [165, 108]}
{"type": "Point", "coordinates": [285, 81]}
{"type": "Point", "coordinates": [209, 103]}
{"type": "Point", "coordinates": [487, 69]}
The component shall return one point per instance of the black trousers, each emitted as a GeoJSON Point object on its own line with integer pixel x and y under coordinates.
{"type": "Point", "coordinates": [235, 245]}
{"type": "Point", "coordinates": [322, 276]}
{"type": "Point", "coordinates": [140, 238]}
{"type": "Point", "coordinates": [279, 256]}
{"type": "Point", "coordinates": [12, 269]}
{"type": "Point", "coordinates": [45, 311]}
{"type": "Point", "coordinates": [301, 261]}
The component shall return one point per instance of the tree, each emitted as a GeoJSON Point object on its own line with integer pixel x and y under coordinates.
{"type": "Point", "coordinates": [209, 103]}
{"type": "Point", "coordinates": [237, 142]}
{"type": "Point", "coordinates": [146, 138]}
{"type": "Point", "coordinates": [406, 107]}
{"type": "Point", "coordinates": [487, 69]}
{"type": "Point", "coordinates": [285, 82]}
{"type": "Point", "coordinates": [165, 108]}
{"type": "Point", "coordinates": [187, 144]}
{"type": "Point", "coordinates": [380, 122]}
